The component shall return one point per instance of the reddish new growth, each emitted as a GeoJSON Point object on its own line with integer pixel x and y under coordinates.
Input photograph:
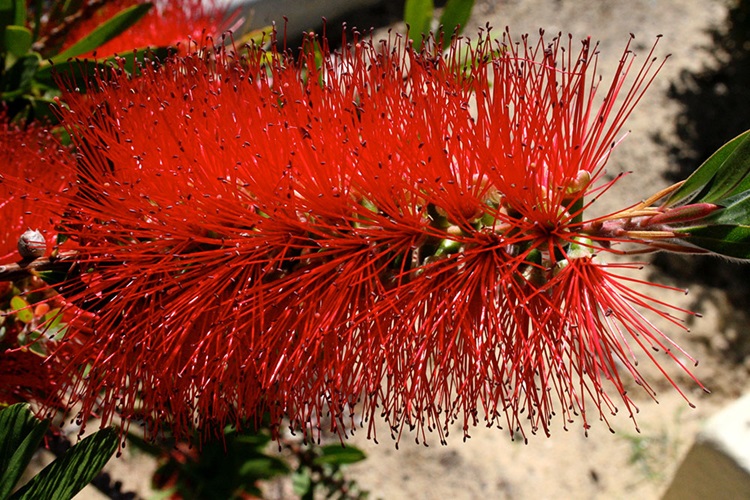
{"type": "Point", "coordinates": [396, 235]}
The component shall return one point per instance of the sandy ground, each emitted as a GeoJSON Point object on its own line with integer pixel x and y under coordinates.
{"type": "Point", "coordinates": [626, 464]}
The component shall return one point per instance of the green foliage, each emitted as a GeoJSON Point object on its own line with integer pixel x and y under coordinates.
{"type": "Point", "coordinates": [230, 467]}
{"type": "Point", "coordinates": [418, 15]}
{"type": "Point", "coordinates": [105, 32]}
{"type": "Point", "coordinates": [21, 309]}
{"type": "Point", "coordinates": [17, 40]}
{"type": "Point", "coordinates": [320, 471]}
{"type": "Point", "coordinates": [26, 320]}
{"type": "Point", "coordinates": [233, 465]}
{"type": "Point", "coordinates": [12, 13]}
{"type": "Point", "coordinates": [735, 210]}
{"type": "Point", "coordinates": [723, 175]}
{"type": "Point", "coordinates": [456, 14]}
{"type": "Point", "coordinates": [726, 240]}
{"type": "Point", "coordinates": [336, 454]}
{"type": "Point", "coordinates": [27, 87]}
{"type": "Point", "coordinates": [724, 181]}
{"type": "Point", "coordinates": [21, 434]}
{"type": "Point", "coordinates": [68, 475]}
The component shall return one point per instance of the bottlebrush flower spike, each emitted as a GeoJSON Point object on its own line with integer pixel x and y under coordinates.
{"type": "Point", "coordinates": [32, 155]}
{"type": "Point", "coordinates": [393, 234]}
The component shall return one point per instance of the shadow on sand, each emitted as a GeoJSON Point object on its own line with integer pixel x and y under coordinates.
{"type": "Point", "coordinates": [716, 108]}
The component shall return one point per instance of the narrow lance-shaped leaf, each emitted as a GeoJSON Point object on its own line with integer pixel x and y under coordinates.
{"type": "Point", "coordinates": [76, 72]}
{"type": "Point", "coordinates": [336, 454]}
{"type": "Point", "coordinates": [20, 435]}
{"type": "Point", "coordinates": [735, 210]}
{"type": "Point", "coordinates": [19, 13]}
{"type": "Point", "coordinates": [106, 32]}
{"type": "Point", "coordinates": [728, 240]}
{"type": "Point", "coordinates": [418, 15]}
{"type": "Point", "coordinates": [12, 12]}
{"type": "Point", "coordinates": [718, 176]}
{"type": "Point", "coordinates": [734, 175]}
{"type": "Point", "coordinates": [261, 466]}
{"type": "Point", "coordinates": [456, 14]}
{"type": "Point", "coordinates": [68, 475]}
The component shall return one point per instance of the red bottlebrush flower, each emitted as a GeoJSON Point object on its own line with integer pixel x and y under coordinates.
{"type": "Point", "coordinates": [30, 154]}
{"type": "Point", "coordinates": [394, 233]}
{"type": "Point", "coordinates": [28, 377]}
{"type": "Point", "coordinates": [167, 24]}
{"type": "Point", "coordinates": [33, 167]}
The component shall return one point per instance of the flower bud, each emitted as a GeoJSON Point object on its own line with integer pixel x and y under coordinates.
{"type": "Point", "coordinates": [32, 245]}
{"type": "Point", "coordinates": [686, 213]}
{"type": "Point", "coordinates": [581, 182]}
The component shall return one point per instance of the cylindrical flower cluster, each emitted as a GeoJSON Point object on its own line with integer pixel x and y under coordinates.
{"type": "Point", "coordinates": [388, 233]}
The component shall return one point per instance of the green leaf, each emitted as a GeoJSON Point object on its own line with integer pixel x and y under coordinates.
{"type": "Point", "coordinates": [418, 16]}
{"type": "Point", "coordinates": [6, 12]}
{"type": "Point", "coordinates": [51, 276]}
{"type": "Point", "coordinates": [734, 175]}
{"type": "Point", "coordinates": [19, 13]}
{"type": "Point", "coordinates": [75, 72]}
{"type": "Point", "coordinates": [69, 474]}
{"type": "Point", "coordinates": [17, 40]}
{"type": "Point", "coordinates": [256, 440]}
{"type": "Point", "coordinates": [262, 467]}
{"type": "Point", "coordinates": [729, 240]}
{"type": "Point", "coordinates": [456, 14]}
{"type": "Point", "coordinates": [335, 454]}
{"type": "Point", "coordinates": [37, 348]}
{"type": "Point", "coordinates": [21, 309]}
{"type": "Point", "coordinates": [17, 80]}
{"type": "Point", "coordinates": [723, 174]}
{"type": "Point", "coordinates": [12, 12]}
{"type": "Point", "coordinates": [41, 107]}
{"type": "Point", "coordinates": [20, 435]}
{"type": "Point", "coordinates": [302, 483]}
{"type": "Point", "coordinates": [735, 211]}
{"type": "Point", "coordinates": [145, 446]}
{"type": "Point", "coordinates": [53, 319]}
{"type": "Point", "coordinates": [105, 32]}
{"type": "Point", "coordinates": [80, 73]}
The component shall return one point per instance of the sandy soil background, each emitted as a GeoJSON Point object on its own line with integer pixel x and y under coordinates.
{"type": "Point", "coordinates": [688, 112]}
